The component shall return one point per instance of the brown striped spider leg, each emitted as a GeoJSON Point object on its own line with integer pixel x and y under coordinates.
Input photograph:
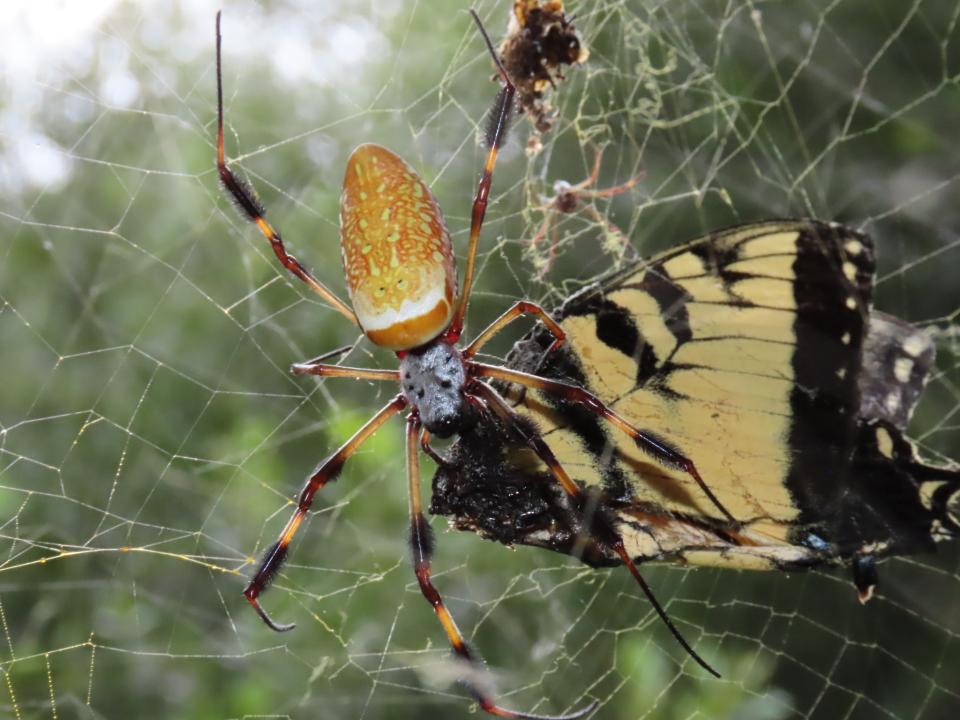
{"type": "Point", "coordinates": [249, 204]}
{"type": "Point", "coordinates": [518, 310]}
{"type": "Point", "coordinates": [421, 546]}
{"type": "Point", "coordinates": [327, 472]}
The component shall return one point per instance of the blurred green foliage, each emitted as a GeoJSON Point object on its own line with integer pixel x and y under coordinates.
{"type": "Point", "coordinates": [152, 436]}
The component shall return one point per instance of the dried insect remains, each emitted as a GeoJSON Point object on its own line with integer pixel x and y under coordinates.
{"type": "Point", "coordinates": [540, 40]}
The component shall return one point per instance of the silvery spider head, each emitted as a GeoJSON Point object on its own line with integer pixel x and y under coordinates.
{"type": "Point", "coordinates": [432, 379]}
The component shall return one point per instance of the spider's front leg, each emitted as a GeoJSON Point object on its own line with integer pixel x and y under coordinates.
{"type": "Point", "coordinates": [249, 204]}
{"type": "Point", "coordinates": [517, 310]}
{"type": "Point", "coordinates": [325, 370]}
{"type": "Point", "coordinates": [327, 472]}
{"type": "Point", "coordinates": [421, 545]}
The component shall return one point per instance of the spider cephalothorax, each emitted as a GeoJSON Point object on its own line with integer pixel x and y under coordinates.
{"type": "Point", "coordinates": [433, 378]}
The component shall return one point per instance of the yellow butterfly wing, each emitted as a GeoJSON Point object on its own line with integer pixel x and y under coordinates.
{"type": "Point", "coordinates": [745, 351]}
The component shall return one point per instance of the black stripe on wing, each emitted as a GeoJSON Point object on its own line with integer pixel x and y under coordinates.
{"type": "Point", "coordinates": [833, 285]}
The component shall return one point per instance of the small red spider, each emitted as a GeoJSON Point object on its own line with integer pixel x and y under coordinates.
{"type": "Point", "coordinates": [569, 199]}
{"type": "Point", "coordinates": [399, 265]}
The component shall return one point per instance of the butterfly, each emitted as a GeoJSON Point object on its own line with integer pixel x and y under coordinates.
{"type": "Point", "coordinates": [755, 352]}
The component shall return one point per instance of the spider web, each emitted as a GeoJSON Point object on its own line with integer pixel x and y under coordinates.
{"type": "Point", "coordinates": [151, 436]}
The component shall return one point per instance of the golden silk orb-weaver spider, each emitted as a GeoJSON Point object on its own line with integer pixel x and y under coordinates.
{"type": "Point", "coordinates": [569, 199]}
{"type": "Point", "coordinates": [402, 280]}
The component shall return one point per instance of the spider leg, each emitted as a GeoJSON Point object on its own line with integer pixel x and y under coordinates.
{"type": "Point", "coordinates": [544, 227]}
{"type": "Point", "coordinates": [323, 370]}
{"type": "Point", "coordinates": [552, 251]}
{"type": "Point", "coordinates": [598, 524]}
{"type": "Point", "coordinates": [643, 440]}
{"type": "Point", "coordinates": [615, 190]}
{"type": "Point", "coordinates": [594, 172]}
{"type": "Point", "coordinates": [496, 134]}
{"type": "Point", "coordinates": [421, 544]}
{"type": "Point", "coordinates": [611, 228]}
{"type": "Point", "coordinates": [247, 201]}
{"type": "Point", "coordinates": [428, 450]}
{"type": "Point", "coordinates": [581, 187]}
{"type": "Point", "coordinates": [519, 309]}
{"type": "Point", "coordinates": [327, 472]}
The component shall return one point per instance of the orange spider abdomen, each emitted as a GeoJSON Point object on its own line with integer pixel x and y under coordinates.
{"type": "Point", "coordinates": [397, 255]}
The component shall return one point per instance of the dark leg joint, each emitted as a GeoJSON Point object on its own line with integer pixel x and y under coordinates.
{"type": "Point", "coordinates": [272, 560]}
{"type": "Point", "coordinates": [251, 594]}
{"type": "Point", "coordinates": [327, 473]}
